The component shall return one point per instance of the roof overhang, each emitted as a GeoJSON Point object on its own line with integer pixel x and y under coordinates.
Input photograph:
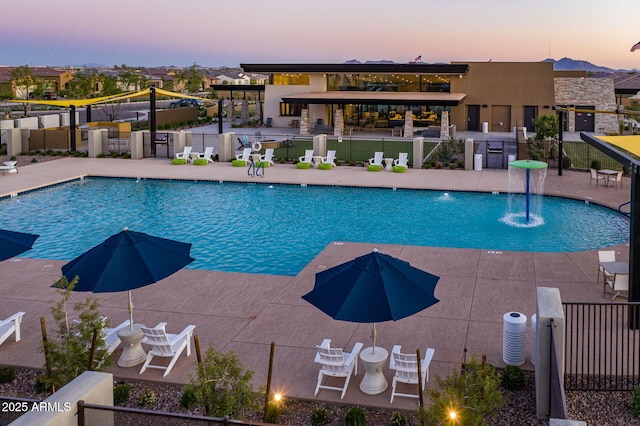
{"type": "Point", "coordinates": [411, 68]}
{"type": "Point", "coordinates": [377, 98]}
{"type": "Point", "coordinates": [239, 87]}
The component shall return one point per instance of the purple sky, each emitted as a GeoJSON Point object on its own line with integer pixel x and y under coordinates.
{"type": "Point", "coordinates": [219, 33]}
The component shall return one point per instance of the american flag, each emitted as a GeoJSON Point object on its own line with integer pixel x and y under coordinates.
{"type": "Point", "coordinates": [635, 47]}
{"type": "Point", "coordinates": [419, 57]}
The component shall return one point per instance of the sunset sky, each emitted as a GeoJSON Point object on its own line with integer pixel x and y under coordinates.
{"type": "Point", "coordinates": [225, 33]}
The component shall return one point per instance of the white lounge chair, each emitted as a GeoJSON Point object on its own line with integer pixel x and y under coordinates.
{"type": "Point", "coordinates": [336, 363]}
{"type": "Point", "coordinates": [207, 154]}
{"type": "Point", "coordinates": [11, 326]}
{"type": "Point", "coordinates": [268, 156]}
{"type": "Point", "coordinates": [245, 156]}
{"type": "Point", "coordinates": [9, 167]}
{"type": "Point", "coordinates": [406, 368]}
{"type": "Point", "coordinates": [307, 157]}
{"type": "Point", "coordinates": [186, 154]}
{"type": "Point", "coordinates": [375, 163]}
{"type": "Point", "coordinates": [330, 158]}
{"type": "Point", "coordinates": [402, 160]}
{"type": "Point", "coordinates": [166, 345]}
{"type": "Point", "coordinates": [111, 338]}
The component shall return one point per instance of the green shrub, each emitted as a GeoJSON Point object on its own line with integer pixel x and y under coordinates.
{"type": "Point", "coordinates": [355, 417]}
{"type": "Point", "coordinates": [473, 394]}
{"type": "Point", "coordinates": [188, 398]}
{"type": "Point", "coordinates": [101, 155]}
{"type": "Point", "coordinates": [512, 377]}
{"type": "Point", "coordinates": [7, 374]}
{"type": "Point", "coordinates": [121, 393]}
{"type": "Point", "coordinates": [222, 386]}
{"type": "Point", "coordinates": [566, 162]}
{"type": "Point", "coordinates": [147, 399]}
{"type": "Point", "coordinates": [273, 412]}
{"type": "Point", "coordinates": [43, 384]}
{"type": "Point", "coordinates": [596, 164]}
{"type": "Point", "coordinates": [635, 403]}
{"type": "Point", "coordinates": [319, 417]}
{"type": "Point", "coordinates": [34, 160]}
{"type": "Point", "coordinates": [398, 419]}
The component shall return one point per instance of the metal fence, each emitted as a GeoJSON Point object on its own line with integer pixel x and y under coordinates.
{"type": "Point", "coordinates": [601, 350]}
{"type": "Point", "coordinates": [123, 415]}
{"type": "Point", "coordinates": [581, 155]}
{"type": "Point", "coordinates": [14, 407]}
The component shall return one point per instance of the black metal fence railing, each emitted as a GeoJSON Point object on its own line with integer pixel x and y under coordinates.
{"type": "Point", "coordinates": [557, 397]}
{"type": "Point", "coordinates": [601, 351]}
{"type": "Point", "coordinates": [581, 155]}
{"type": "Point", "coordinates": [123, 415]}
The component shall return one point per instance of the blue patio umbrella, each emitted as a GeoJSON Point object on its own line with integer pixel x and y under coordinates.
{"type": "Point", "coordinates": [126, 261]}
{"type": "Point", "coordinates": [14, 243]}
{"type": "Point", "coordinates": [373, 288]}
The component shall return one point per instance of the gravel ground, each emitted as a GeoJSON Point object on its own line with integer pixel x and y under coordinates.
{"type": "Point", "coordinates": [518, 409]}
{"type": "Point", "coordinates": [26, 160]}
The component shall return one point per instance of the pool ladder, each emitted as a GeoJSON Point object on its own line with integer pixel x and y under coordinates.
{"type": "Point", "coordinates": [628, 214]}
{"type": "Point", "coordinates": [254, 170]}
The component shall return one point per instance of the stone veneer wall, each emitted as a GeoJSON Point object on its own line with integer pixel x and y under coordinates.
{"type": "Point", "coordinates": [338, 128]}
{"type": "Point", "coordinates": [598, 92]}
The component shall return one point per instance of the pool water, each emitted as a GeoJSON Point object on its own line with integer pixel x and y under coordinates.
{"type": "Point", "coordinates": [278, 229]}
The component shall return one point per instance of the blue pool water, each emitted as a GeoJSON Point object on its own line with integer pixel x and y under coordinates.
{"type": "Point", "coordinates": [278, 229]}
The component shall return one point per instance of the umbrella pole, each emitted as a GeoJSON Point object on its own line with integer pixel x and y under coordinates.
{"type": "Point", "coordinates": [130, 312]}
{"type": "Point", "coordinates": [373, 336]}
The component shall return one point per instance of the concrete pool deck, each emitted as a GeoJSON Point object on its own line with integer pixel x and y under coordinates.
{"type": "Point", "coordinates": [246, 312]}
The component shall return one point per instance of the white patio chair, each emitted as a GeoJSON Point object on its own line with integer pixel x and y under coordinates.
{"type": "Point", "coordinates": [165, 345]}
{"type": "Point", "coordinates": [186, 154]}
{"type": "Point", "coordinates": [245, 156]}
{"type": "Point", "coordinates": [597, 177]}
{"type": "Point", "coordinates": [614, 179]}
{"type": "Point", "coordinates": [307, 157]}
{"type": "Point", "coordinates": [336, 363]}
{"type": "Point", "coordinates": [11, 326]}
{"type": "Point", "coordinates": [9, 167]}
{"type": "Point", "coordinates": [377, 159]}
{"type": "Point", "coordinates": [406, 367]}
{"type": "Point", "coordinates": [618, 284]}
{"type": "Point", "coordinates": [605, 256]}
{"type": "Point", "coordinates": [268, 156]}
{"type": "Point", "coordinates": [111, 338]}
{"type": "Point", "coordinates": [402, 160]}
{"type": "Point", "coordinates": [330, 158]}
{"type": "Point", "coordinates": [207, 154]}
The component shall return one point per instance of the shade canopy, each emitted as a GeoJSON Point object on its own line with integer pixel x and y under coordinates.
{"type": "Point", "coordinates": [373, 288]}
{"type": "Point", "coordinates": [628, 143]}
{"type": "Point", "coordinates": [14, 243]}
{"type": "Point", "coordinates": [126, 261]}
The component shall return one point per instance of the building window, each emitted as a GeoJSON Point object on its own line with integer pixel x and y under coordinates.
{"type": "Point", "coordinates": [289, 79]}
{"type": "Point", "coordinates": [389, 82]}
{"type": "Point", "coordinates": [287, 109]}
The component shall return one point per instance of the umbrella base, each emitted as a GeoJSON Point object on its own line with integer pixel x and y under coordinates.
{"type": "Point", "coordinates": [373, 381]}
{"type": "Point", "coordinates": [132, 352]}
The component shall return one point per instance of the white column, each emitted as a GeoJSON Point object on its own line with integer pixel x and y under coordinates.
{"type": "Point", "coordinates": [137, 143]}
{"type": "Point", "coordinates": [418, 152]}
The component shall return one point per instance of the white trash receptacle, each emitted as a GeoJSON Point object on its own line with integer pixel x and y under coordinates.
{"type": "Point", "coordinates": [514, 338]}
{"type": "Point", "coordinates": [533, 339]}
{"type": "Point", "coordinates": [477, 161]}
{"type": "Point", "coordinates": [485, 127]}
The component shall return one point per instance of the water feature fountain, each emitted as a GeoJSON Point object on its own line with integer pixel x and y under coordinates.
{"type": "Point", "coordinates": [526, 186]}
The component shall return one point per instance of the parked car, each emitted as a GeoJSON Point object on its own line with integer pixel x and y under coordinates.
{"type": "Point", "coordinates": [185, 102]}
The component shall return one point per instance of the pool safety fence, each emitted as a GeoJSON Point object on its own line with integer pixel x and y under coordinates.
{"type": "Point", "coordinates": [602, 346]}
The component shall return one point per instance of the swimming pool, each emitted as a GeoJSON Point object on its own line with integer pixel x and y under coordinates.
{"type": "Point", "coordinates": [278, 229]}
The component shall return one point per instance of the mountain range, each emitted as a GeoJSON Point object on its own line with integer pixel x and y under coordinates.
{"type": "Point", "coordinates": [564, 64]}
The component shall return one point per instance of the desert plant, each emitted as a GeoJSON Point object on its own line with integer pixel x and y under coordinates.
{"type": "Point", "coordinates": [273, 412]}
{"type": "Point", "coordinates": [7, 374]}
{"type": "Point", "coordinates": [148, 398]}
{"type": "Point", "coordinates": [566, 162]}
{"type": "Point", "coordinates": [398, 419]}
{"type": "Point", "coordinates": [635, 403]}
{"type": "Point", "coordinates": [512, 377]}
{"type": "Point", "coordinates": [355, 417]}
{"type": "Point", "coordinates": [67, 349]}
{"type": "Point", "coordinates": [319, 417]}
{"type": "Point", "coordinates": [222, 386]}
{"type": "Point", "coordinates": [188, 398]}
{"type": "Point", "coordinates": [121, 393]}
{"type": "Point", "coordinates": [472, 394]}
